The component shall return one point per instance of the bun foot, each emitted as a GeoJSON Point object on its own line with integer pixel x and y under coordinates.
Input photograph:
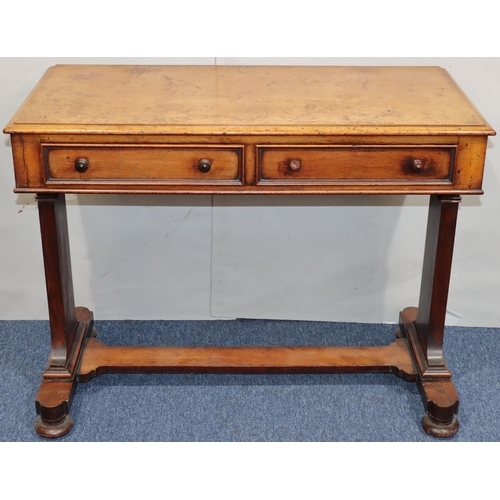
{"type": "Point", "coordinates": [439, 429]}
{"type": "Point", "coordinates": [54, 429]}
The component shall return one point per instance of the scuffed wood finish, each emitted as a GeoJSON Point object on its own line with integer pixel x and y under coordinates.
{"type": "Point", "coordinates": [248, 130]}
{"type": "Point", "coordinates": [248, 106]}
{"type": "Point", "coordinates": [99, 358]}
{"type": "Point", "coordinates": [248, 99]}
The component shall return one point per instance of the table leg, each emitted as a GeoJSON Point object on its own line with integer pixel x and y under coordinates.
{"type": "Point", "coordinates": [69, 326]}
{"type": "Point", "coordinates": [424, 326]}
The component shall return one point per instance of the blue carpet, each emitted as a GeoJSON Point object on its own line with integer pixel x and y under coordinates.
{"type": "Point", "coordinates": [189, 407]}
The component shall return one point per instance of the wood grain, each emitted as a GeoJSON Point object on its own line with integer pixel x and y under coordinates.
{"type": "Point", "coordinates": [249, 106]}
{"type": "Point", "coordinates": [323, 164]}
{"type": "Point", "coordinates": [247, 99]}
{"type": "Point", "coordinates": [436, 273]}
{"type": "Point", "coordinates": [99, 358]}
{"type": "Point", "coordinates": [58, 277]}
{"type": "Point", "coordinates": [167, 163]}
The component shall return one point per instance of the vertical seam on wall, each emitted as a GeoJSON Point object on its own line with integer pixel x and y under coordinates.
{"type": "Point", "coordinates": [211, 257]}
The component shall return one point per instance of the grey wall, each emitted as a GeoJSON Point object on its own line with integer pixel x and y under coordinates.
{"type": "Point", "coordinates": [186, 257]}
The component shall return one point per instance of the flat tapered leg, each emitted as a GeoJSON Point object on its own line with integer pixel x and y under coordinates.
{"type": "Point", "coordinates": [424, 327]}
{"type": "Point", "coordinates": [58, 278]}
{"type": "Point", "coordinates": [69, 326]}
{"type": "Point", "coordinates": [438, 254]}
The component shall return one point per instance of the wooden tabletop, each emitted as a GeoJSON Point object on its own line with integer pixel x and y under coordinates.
{"type": "Point", "coordinates": [247, 100]}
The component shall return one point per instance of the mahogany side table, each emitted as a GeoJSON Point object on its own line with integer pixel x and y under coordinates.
{"type": "Point", "coordinates": [248, 129]}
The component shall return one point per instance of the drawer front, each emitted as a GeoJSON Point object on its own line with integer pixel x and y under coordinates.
{"type": "Point", "coordinates": [168, 164]}
{"type": "Point", "coordinates": [323, 165]}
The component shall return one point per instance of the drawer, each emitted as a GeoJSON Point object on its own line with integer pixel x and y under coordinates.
{"type": "Point", "coordinates": [330, 164]}
{"type": "Point", "coordinates": [151, 163]}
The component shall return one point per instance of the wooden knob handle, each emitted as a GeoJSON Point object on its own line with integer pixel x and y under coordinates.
{"type": "Point", "coordinates": [81, 165]}
{"type": "Point", "coordinates": [205, 165]}
{"type": "Point", "coordinates": [418, 165]}
{"type": "Point", "coordinates": [294, 164]}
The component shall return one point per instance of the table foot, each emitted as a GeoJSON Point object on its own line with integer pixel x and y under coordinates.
{"type": "Point", "coordinates": [58, 386]}
{"type": "Point", "coordinates": [441, 405]}
{"type": "Point", "coordinates": [54, 429]}
{"type": "Point", "coordinates": [438, 391]}
{"type": "Point", "coordinates": [439, 429]}
{"type": "Point", "coordinates": [52, 404]}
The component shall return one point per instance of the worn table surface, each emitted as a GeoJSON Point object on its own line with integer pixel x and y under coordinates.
{"type": "Point", "coordinates": [247, 99]}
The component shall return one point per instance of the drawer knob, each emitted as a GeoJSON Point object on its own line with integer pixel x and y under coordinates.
{"type": "Point", "coordinates": [205, 165]}
{"type": "Point", "coordinates": [418, 165]}
{"type": "Point", "coordinates": [81, 165]}
{"type": "Point", "coordinates": [294, 164]}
